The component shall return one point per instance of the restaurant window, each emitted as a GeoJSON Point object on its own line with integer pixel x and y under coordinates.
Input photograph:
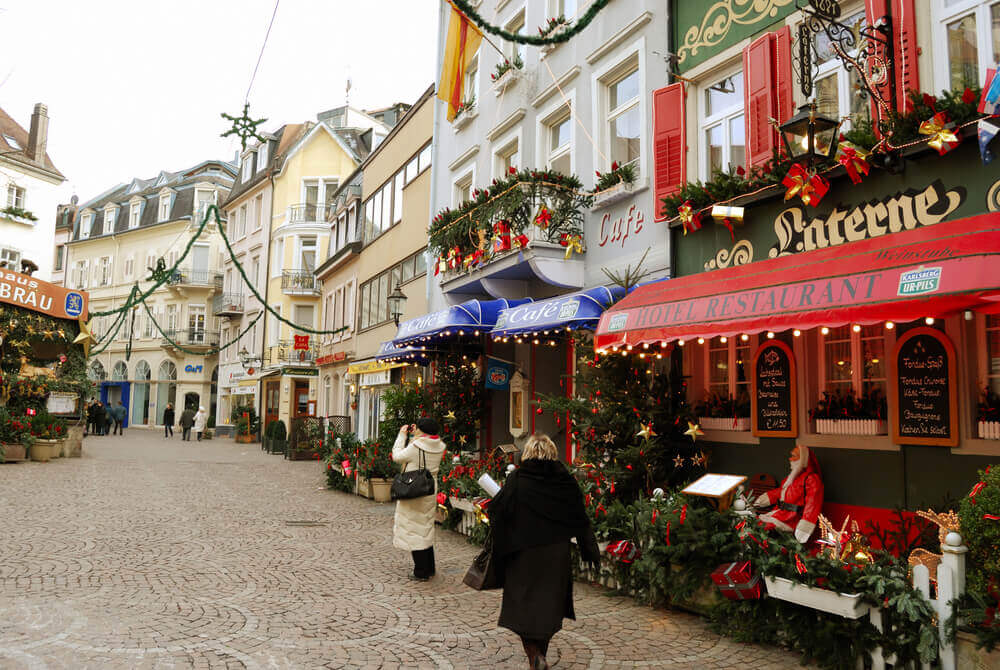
{"type": "Point", "coordinates": [992, 371]}
{"type": "Point", "coordinates": [853, 362]}
{"type": "Point", "coordinates": [722, 126]}
{"type": "Point", "coordinates": [836, 90]}
{"type": "Point", "coordinates": [623, 114]}
{"type": "Point", "coordinates": [837, 365]}
{"type": "Point", "coordinates": [727, 374]}
{"type": "Point", "coordinates": [971, 31]}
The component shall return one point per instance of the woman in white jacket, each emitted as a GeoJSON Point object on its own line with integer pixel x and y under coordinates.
{"type": "Point", "coordinates": [200, 419]}
{"type": "Point", "coordinates": [413, 527]}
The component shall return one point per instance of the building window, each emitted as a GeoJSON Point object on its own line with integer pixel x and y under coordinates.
{"type": "Point", "coordinates": [196, 323]}
{"type": "Point", "coordinates": [307, 254]}
{"type": "Point", "coordinates": [129, 268]}
{"type": "Point", "coordinates": [375, 291]}
{"type": "Point", "coordinates": [278, 257]}
{"type": "Point", "coordinates": [303, 316]}
{"type": "Point", "coordinates": [258, 212]}
{"type": "Point", "coordinates": [274, 329]}
{"type": "Point", "coordinates": [255, 271]}
{"type": "Point", "coordinates": [133, 215]}
{"type": "Point", "coordinates": [109, 221]}
{"type": "Point", "coordinates": [971, 30]}
{"type": "Point", "coordinates": [565, 8]}
{"type": "Point", "coordinates": [60, 256]}
{"type": "Point", "coordinates": [727, 369]}
{"type": "Point", "coordinates": [10, 258]}
{"type": "Point", "coordinates": [104, 271]}
{"type": "Point", "coordinates": [171, 318]}
{"type": "Point", "coordinates": [86, 223]}
{"type": "Point", "coordinates": [78, 277]}
{"type": "Point", "coordinates": [507, 156]}
{"type": "Point", "coordinates": [203, 200]}
{"type": "Point", "coordinates": [623, 119]}
{"type": "Point", "coordinates": [852, 362]}
{"type": "Point", "coordinates": [515, 49]}
{"type": "Point", "coordinates": [836, 90]}
{"type": "Point", "coordinates": [262, 157]}
{"type": "Point", "coordinates": [993, 353]}
{"type": "Point", "coordinates": [397, 198]}
{"type": "Point", "coordinates": [722, 126]}
{"type": "Point", "coordinates": [462, 190]}
{"type": "Point", "coordinates": [15, 196]}
{"type": "Point", "coordinates": [247, 168]}
{"type": "Point", "coordinates": [558, 138]}
{"type": "Point", "coordinates": [425, 158]}
{"type": "Point", "coordinates": [472, 80]}
{"type": "Point", "coordinates": [164, 212]}
{"type": "Point", "coordinates": [241, 222]}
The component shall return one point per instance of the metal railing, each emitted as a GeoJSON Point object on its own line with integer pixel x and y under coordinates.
{"type": "Point", "coordinates": [299, 280]}
{"type": "Point", "coordinates": [190, 337]}
{"type": "Point", "coordinates": [285, 353]}
{"type": "Point", "coordinates": [227, 303]}
{"type": "Point", "coordinates": [195, 277]}
{"type": "Point", "coordinates": [306, 213]}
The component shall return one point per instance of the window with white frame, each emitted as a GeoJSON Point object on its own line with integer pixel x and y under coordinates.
{"type": "Point", "coordinates": [255, 271]}
{"type": "Point", "coordinates": [472, 80]}
{"type": "Point", "coordinates": [565, 8]}
{"type": "Point", "coordinates": [129, 267]}
{"type": "Point", "coordinates": [258, 212]}
{"type": "Point", "coordinates": [397, 197]}
{"type": "Point", "coordinates": [558, 141]}
{"type": "Point", "coordinates": [15, 196]}
{"type": "Point", "coordinates": [278, 257]}
{"type": "Point", "coordinates": [514, 50]}
{"type": "Point", "coordinates": [86, 223]}
{"type": "Point", "coordinates": [623, 114]}
{"type": "Point", "coordinates": [835, 90]}
{"type": "Point", "coordinates": [274, 328]}
{"type": "Point", "coordinates": [462, 189]}
{"type": "Point", "coordinates": [727, 370]}
{"type": "Point", "coordinates": [171, 318]}
{"type": "Point", "coordinates": [148, 328]}
{"type": "Point", "coordinates": [109, 221]}
{"type": "Point", "coordinates": [852, 362]}
{"type": "Point", "coordinates": [164, 211]}
{"type": "Point", "coordinates": [104, 271]}
{"type": "Point", "coordinates": [506, 157]}
{"type": "Point", "coordinates": [204, 199]}
{"type": "Point", "coordinates": [970, 29]}
{"type": "Point", "coordinates": [307, 254]}
{"type": "Point", "coordinates": [262, 156]}
{"type": "Point", "coordinates": [79, 274]}
{"type": "Point", "coordinates": [247, 168]}
{"type": "Point", "coordinates": [133, 215]}
{"type": "Point", "coordinates": [241, 222]}
{"type": "Point", "coordinates": [10, 258]}
{"type": "Point", "coordinates": [722, 126]}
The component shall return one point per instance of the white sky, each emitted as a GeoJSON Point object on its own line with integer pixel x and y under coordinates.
{"type": "Point", "coordinates": [136, 86]}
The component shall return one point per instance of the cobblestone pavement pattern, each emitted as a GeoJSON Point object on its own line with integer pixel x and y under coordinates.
{"type": "Point", "coordinates": [149, 553]}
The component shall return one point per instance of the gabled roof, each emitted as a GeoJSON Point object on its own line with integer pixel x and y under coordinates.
{"type": "Point", "coordinates": [279, 144]}
{"type": "Point", "coordinates": [13, 129]}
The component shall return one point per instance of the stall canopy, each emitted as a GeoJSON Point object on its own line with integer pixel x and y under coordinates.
{"type": "Point", "coordinates": [926, 272]}
{"type": "Point", "coordinates": [469, 318]}
{"type": "Point", "coordinates": [388, 351]}
{"type": "Point", "coordinates": [569, 312]}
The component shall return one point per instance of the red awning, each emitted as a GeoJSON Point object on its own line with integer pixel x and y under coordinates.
{"type": "Point", "coordinates": [931, 271]}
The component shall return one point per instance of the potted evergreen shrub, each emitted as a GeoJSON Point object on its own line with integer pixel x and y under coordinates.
{"type": "Point", "coordinates": [275, 437]}
{"type": "Point", "coordinates": [49, 433]}
{"type": "Point", "coordinates": [15, 438]}
{"type": "Point", "coordinates": [380, 471]}
{"type": "Point", "coordinates": [247, 423]}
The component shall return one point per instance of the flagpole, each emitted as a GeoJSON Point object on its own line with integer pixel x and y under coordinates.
{"type": "Point", "coordinates": [481, 33]}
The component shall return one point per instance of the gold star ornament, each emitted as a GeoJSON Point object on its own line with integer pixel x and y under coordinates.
{"type": "Point", "coordinates": [86, 336]}
{"type": "Point", "coordinates": [647, 431]}
{"type": "Point", "coordinates": [678, 461]}
{"type": "Point", "coordinates": [462, 439]}
{"type": "Point", "coordinates": [694, 430]}
{"type": "Point", "coordinates": [450, 415]}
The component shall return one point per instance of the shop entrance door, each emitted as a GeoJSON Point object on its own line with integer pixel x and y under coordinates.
{"type": "Point", "coordinates": [300, 399]}
{"type": "Point", "coordinates": [271, 399]}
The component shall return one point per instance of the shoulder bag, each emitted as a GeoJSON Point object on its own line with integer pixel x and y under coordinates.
{"type": "Point", "coordinates": [481, 574]}
{"type": "Point", "coordinates": [413, 483]}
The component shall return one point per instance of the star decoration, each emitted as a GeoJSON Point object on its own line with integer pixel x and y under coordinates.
{"type": "Point", "coordinates": [85, 336]}
{"type": "Point", "coordinates": [678, 461]}
{"type": "Point", "coordinates": [461, 439]}
{"type": "Point", "coordinates": [646, 432]}
{"type": "Point", "coordinates": [609, 437]}
{"type": "Point", "coordinates": [699, 459]}
{"type": "Point", "coordinates": [694, 430]}
{"type": "Point", "coordinates": [450, 416]}
{"type": "Point", "coordinates": [159, 274]}
{"type": "Point", "coordinates": [243, 126]}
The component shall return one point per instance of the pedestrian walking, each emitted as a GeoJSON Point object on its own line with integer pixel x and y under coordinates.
{"type": "Point", "coordinates": [168, 420]}
{"type": "Point", "coordinates": [108, 419]}
{"type": "Point", "coordinates": [88, 417]}
{"type": "Point", "coordinates": [187, 420]}
{"type": "Point", "coordinates": [119, 414]}
{"type": "Point", "coordinates": [413, 526]}
{"type": "Point", "coordinates": [532, 518]}
{"type": "Point", "coordinates": [200, 419]}
{"type": "Point", "coordinates": [92, 413]}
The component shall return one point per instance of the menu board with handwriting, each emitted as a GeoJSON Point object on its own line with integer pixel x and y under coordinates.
{"type": "Point", "coordinates": [774, 406]}
{"type": "Point", "coordinates": [925, 408]}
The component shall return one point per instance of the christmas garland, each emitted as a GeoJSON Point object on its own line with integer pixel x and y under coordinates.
{"type": "Point", "coordinates": [558, 37]}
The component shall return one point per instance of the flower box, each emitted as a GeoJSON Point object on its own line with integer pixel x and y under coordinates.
{"type": "Point", "coordinates": [381, 490]}
{"type": "Point", "coordinates": [989, 430]}
{"type": "Point", "coordinates": [13, 453]}
{"type": "Point", "coordinates": [45, 450]}
{"type": "Point", "coordinates": [609, 196]}
{"type": "Point", "coordinates": [849, 606]}
{"type": "Point", "coordinates": [466, 118]}
{"type": "Point", "coordinates": [852, 427]}
{"type": "Point", "coordinates": [362, 487]}
{"type": "Point", "coordinates": [724, 423]}
{"type": "Point", "coordinates": [506, 80]}
{"type": "Point", "coordinates": [462, 504]}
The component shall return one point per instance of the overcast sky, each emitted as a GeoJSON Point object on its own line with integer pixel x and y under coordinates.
{"type": "Point", "coordinates": [136, 86]}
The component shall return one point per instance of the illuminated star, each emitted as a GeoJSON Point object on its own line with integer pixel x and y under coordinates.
{"type": "Point", "coordinates": [85, 336]}
{"type": "Point", "coordinates": [243, 126]}
{"type": "Point", "coordinates": [699, 459]}
{"type": "Point", "coordinates": [678, 461]}
{"type": "Point", "coordinates": [450, 416]}
{"type": "Point", "coordinates": [609, 437]}
{"type": "Point", "coordinates": [694, 430]}
{"type": "Point", "coordinates": [647, 431]}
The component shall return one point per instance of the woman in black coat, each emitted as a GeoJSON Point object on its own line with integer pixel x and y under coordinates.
{"type": "Point", "coordinates": [533, 517]}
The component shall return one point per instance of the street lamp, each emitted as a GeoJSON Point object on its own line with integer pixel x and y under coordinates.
{"type": "Point", "coordinates": [809, 136]}
{"type": "Point", "coordinates": [396, 301]}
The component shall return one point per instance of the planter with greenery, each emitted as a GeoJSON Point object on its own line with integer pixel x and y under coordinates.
{"type": "Point", "coordinates": [247, 424]}
{"type": "Point", "coordinates": [307, 440]}
{"type": "Point", "coordinates": [275, 437]}
{"type": "Point", "coordinates": [49, 433]}
{"type": "Point", "coordinates": [15, 437]}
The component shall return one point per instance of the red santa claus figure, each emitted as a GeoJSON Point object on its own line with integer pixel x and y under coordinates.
{"type": "Point", "coordinates": [799, 501]}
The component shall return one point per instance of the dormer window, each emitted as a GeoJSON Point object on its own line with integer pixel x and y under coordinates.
{"type": "Point", "coordinates": [134, 210]}
{"type": "Point", "coordinates": [109, 220]}
{"type": "Point", "coordinates": [86, 222]}
{"type": "Point", "coordinates": [249, 166]}
{"type": "Point", "coordinates": [163, 212]}
{"type": "Point", "coordinates": [262, 157]}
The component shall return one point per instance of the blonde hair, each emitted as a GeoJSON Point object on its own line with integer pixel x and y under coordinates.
{"type": "Point", "coordinates": [541, 447]}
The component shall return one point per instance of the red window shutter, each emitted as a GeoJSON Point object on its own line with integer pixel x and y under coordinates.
{"type": "Point", "coordinates": [669, 149]}
{"type": "Point", "coordinates": [904, 39]}
{"type": "Point", "coordinates": [760, 103]}
{"type": "Point", "coordinates": [783, 76]}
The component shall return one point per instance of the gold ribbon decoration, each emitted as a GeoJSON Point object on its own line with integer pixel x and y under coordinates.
{"type": "Point", "coordinates": [690, 219]}
{"type": "Point", "coordinates": [941, 138]}
{"type": "Point", "coordinates": [573, 243]}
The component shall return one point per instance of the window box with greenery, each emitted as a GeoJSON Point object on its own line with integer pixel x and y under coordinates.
{"type": "Point", "coordinates": [275, 437]}
{"type": "Point", "coordinates": [465, 112]}
{"type": "Point", "coordinates": [18, 214]}
{"type": "Point", "coordinates": [506, 73]}
{"type": "Point", "coordinates": [724, 412]}
{"type": "Point", "coordinates": [614, 185]}
{"type": "Point", "coordinates": [551, 27]}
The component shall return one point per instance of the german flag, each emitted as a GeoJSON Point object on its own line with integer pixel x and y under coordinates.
{"type": "Point", "coordinates": [459, 50]}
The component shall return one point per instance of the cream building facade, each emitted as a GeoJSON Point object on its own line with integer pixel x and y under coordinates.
{"type": "Point", "coordinates": [117, 238]}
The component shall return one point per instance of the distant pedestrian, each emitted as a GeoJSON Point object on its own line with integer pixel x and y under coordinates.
{"type": "Point", "coordinates": [200, 420]}
{"type": "Point", "coordinates": [187, 420]}
{"type": "Point", "coordinates": [88, 417]}
{"type": "Point", "coordinates": [92, 414]}
{"type": "Point", "coordinates": [413, 526]}
{"type": "Point", "coordinates": [168, 420]}
{"type": "Point", "coordinates": [532, 518]}
{"type": "Point", "coordinates": [109, 418]}
{"type": "Point", "coordinates": [119, 414]}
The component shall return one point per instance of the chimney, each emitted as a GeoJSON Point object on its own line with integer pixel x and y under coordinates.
{"type": "Point", "coordinates": [38, 136]}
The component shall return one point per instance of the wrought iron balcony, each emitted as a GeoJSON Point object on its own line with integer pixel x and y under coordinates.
{"type": "Point", "coordinates": [188, 277]}
{"type": "Point", "coordinates": [306, 213]}
{"type": "Point", "coordinates": [299, 282]}
{"type": "Point", "coordinates": [191, 338]}
{"type": "Point", "coordinates": [285, 353]}
{"type": "Point", "coordinates": [227, 304]}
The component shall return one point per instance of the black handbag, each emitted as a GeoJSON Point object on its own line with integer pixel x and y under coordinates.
{"type": "Point", "coordinates": [481, 574]}
{"type": "Point", "coordinates": [413, 483]}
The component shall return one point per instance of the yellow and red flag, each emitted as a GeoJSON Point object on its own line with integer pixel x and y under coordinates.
{"type": "Point", "coordinates": [459, 50]}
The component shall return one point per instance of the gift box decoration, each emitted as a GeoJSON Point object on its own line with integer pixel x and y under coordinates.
{"type": "Point", "coordinates": [501, 237]}
{"type": "Point", "coordinates": [623, 551]}
{"type": "Point", "coordinates": [736, 581]}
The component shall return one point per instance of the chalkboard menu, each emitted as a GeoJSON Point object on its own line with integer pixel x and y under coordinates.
{"type": "Point", "coordinates": [774, 405]}
{"type": "Point", "coordinates": [925, 408]}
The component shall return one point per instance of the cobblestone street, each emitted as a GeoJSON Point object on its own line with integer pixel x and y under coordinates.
{"type": "Point", "coordinates": [149, 553]}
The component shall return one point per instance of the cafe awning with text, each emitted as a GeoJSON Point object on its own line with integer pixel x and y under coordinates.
{"type": "Point", "coordinates": [927, 272]}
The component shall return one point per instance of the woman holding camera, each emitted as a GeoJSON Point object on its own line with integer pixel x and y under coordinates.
{"type": "Point", "coordinates": [413, 527]}
{"type": "Point", "coordinates": [533, 517]}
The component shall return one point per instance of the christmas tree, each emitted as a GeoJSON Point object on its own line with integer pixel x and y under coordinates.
{"type": "Point", "coordinates": [456, 399]}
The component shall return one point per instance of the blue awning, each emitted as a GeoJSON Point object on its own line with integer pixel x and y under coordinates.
{"type": "Point", "coordinates": [575, 310]}
{"type": "Point", "coordinates": [469, 318]}
{"type": "Point", "coordinates": [388, 351]}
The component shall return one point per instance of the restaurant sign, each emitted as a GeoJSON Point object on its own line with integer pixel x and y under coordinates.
{"type": "Point", "coordinates": [22, 290]}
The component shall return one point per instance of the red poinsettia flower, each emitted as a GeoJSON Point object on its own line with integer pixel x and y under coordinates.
{"type": "Point", "coordinates": [740, 171]}
{"type": "Point", "coordinates": [512, 170]}
{"type": "Point", "coordinates": [614, 165]}
{"type": "Point", "coordinates": [968, 96]}
{"type": "Point", "coordinates": [930, 101]}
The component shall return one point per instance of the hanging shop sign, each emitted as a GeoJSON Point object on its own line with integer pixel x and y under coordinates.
{"type": "Point", "coordinates": [41, 296]}
{"type": "Point", "coordinates": [300, 372]}
{"type": "Point", "coordinates": [372, 365]}
{"type": "Point", "coordinates": [375, 378]}
{"type": "Point", "coordinates": [773, 399]}
{"type": "Point", "coordinates": [924, 397]}
{"type": "Point", "coordinates": [301, 343]}
{"type": "Point", "coordinates": [324, 360]}
{"type": "Point", "coordinates": [497, 374]}
{"type": "Point", "coordinates": [243, 390]}
{"type": "Point", "coordinates": [703, 30]}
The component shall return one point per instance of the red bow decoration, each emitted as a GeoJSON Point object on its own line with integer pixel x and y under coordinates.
{"type": "Point", "coordinates": [690, 218]}
{"type": "Point", "coordinates": [805, 184]}
{"type": "Point", "coordinates": [855, 159]}
{"type": "Point", "coordinates": [991, 517]}
{"type": "Point", "coordinates": [543, 218]}
{"type": "Point", "coordinates": [668, 533]}
{"type": "Point", "coordinates": [521, 241]}
{"type": "Point", "coordinates": [684, 513]}
{"type": "Point", "coordinates": [623, 550]}
{"type": "Point", "coordinates": [942, 138]}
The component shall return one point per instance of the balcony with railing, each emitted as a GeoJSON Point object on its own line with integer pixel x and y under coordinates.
{"type": "Point", "coordinates": [307, 212]}
{"type": "Point", "coordinates": [189, 338]}
{"type": "Point", "coordinates": [195, 278]}
{"type": "Point", "coordinates": [285, 353]}
{"type": "Point", "coordinates": [228, 304]}
{"type": "Point", "coordinates": [299, 282]}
